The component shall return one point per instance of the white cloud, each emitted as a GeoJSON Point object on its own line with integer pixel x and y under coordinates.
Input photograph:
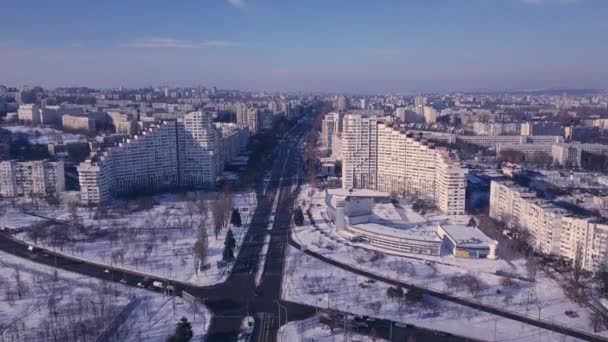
{"type": "Point", "coordinates": [237, 3]}
{"type": "Point", "coordinates": [171, 43]}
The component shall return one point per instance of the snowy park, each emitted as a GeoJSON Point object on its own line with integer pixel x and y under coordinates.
{"type": "Point", "coordinates": [40, 303]}
{"type": "Point", "coordinates": [175, 236]}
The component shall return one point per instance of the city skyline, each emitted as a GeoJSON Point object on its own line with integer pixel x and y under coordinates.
{"type": "Point", "coordinates": [327, 46]}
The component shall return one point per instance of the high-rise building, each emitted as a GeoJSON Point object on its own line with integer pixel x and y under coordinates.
{"type": "Point", "coordinates": [408, 165]}
{"type": "Point", "coordinates": [381, 156]}
{"type": "Point", "coordinates": [430, 114]}
{"type": "Point", "coordinates": [31, 178]}
{"type": "Point", "coordinates": [331, 125]}
{"type": "Point", "coordinates": [241, 113]}
{"type": "Point", "coordinates": [419, 103]}
{"type": "Point", "coordinates": [254, 120]}
{"type": "Point", "coordinates": [341, 103]}
{"type": "Point", "coordinates": [359, 148]}
{"type": "Point", "coordinates": [181, 153]}
{"type": "Point", "coordinates": [363, 103]}
{"type": "Point", "coordinates": [29, 113]}
{"type": "Point", "coordinates": [5, 143]}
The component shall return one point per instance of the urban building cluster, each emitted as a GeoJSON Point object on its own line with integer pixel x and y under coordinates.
{"type": "Point", "coordinates": [122, 141]}
{"type": "Point", "coordinates": [554, 229]}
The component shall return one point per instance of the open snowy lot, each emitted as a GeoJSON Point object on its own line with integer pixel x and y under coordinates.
{"type": "Point", "coordinates": [154, 236]}
{"type": "Point", "coordinates": [293, 331]}
{"type": "Point", "coordinates": [39, 303]}
{"type": "Point", "coordinates": [526, 289]}
{"type": "Point", "coordinates": [310, 281]}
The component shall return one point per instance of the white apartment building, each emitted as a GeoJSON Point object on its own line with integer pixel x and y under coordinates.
{"type": "Point", "coordinates": [241, 113]}
{"type": "Point", "coordinates": [198, 149]}
{"type": "Point", "coordinates": [380, 156]}
{"type": "Point", "coordinates": [495, 128]}
{"type": "Point", "coordinates": [554, 230]}
{"type": "Point", "coordinates": [182, 153]}
{"type": "Point", "coordinates": [254, 120]}
{"type": "Point", "coordinates": [29, 113]}
{"type": "Point", "coordinates": [330, 125]}
{"type": "Point", "coordinates": [493, 141]}
{"type": "Point", "coordinates": [233, 140]}
{"type": "Point", "coordinates": [409, 165]}
{"type": "Point", "coordinates": [32, 178]}
{"type": "Point", "coordinates": [78, 123]}
{"type": "Point", "coordinates": [430, 115]}
{"type": "Point", "coordinates": [359, 148]}
{"type": "Point", "coordinates": [123, 123]}
{"type": "Point", "coordinates": [566, 155]}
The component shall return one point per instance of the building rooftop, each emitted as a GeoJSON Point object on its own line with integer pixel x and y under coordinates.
{"type": "Point", "coordinates": [421, 233]}
{"type": "Point", "coordinates": [465, 236]}
{"type": "Point", "coordinates": [356, 193]}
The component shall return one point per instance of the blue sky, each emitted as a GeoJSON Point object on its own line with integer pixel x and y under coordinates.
{"type": "Point", "coordinates": [327, 45]}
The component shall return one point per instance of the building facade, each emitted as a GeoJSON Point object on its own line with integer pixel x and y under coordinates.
{"type": "Point", "coordinates": [181, 153]}
{"type": "Point", "coordinates": [380, 156]}
{"type": "Point", "coordinates": [553, 230]}
{"type": "Point", "coordinates": [32, 178]}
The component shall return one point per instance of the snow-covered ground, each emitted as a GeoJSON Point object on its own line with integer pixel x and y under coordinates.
{"type": "Point", "coordinates": [155, 237]}
{"type": "Point", "coordinates": [310, 281]}
{"type": "Point", "coordinates": [471, 278]}
{"type": "Point", "coordinates": [39, 303]}
{"type": "Point", "coordinates": [293, 332]}
{"type": "Point", "coordinates": [43, 135]}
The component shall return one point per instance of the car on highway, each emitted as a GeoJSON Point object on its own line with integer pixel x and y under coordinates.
{"type": "Point", "coordinates": [123, 281]}
{"type": "Point", "coordinates": [106, 271]}
{"type": "Point", "coordinates": [246, 331]}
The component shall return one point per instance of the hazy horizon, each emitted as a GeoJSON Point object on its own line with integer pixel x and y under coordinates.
{"type": "Point", "coordinates": [326, 46]}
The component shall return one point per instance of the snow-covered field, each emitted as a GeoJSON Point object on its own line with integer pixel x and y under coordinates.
{"type": "Point", "coordinates": [39, 303]}
{"type": "Point", "coordinates": [291, 332]}
{"type": "Point", "coordinates": [154, 237]}
{"type": "Point", "coordinates": [43, 135]}
{"type": "Point", "coordinates": [310, 281]}
{"type": "Point", "coordinates": [471, 278]}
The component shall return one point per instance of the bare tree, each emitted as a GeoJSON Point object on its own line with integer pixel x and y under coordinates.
{"type": "Point", "coordinates": [220, 208]}
{"type": "Point", "coordinates": [200, 249]}
{"type": "Point", "coordinates": [531, 267]}
{"type": "Point", "coordinates": [596, 321]}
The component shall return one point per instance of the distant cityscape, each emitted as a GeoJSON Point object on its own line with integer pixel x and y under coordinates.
{"type": "Point", "coordinates": [492, 206]}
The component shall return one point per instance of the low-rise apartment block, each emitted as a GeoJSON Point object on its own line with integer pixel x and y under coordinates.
{"type": "Point", "coordinates": [31, 178]}
{"type": "Point", "coordinates": [554, 230]}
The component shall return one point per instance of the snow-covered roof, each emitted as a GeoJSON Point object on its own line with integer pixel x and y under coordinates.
{"type": "Point", "coordinates": [465, 236]}
{"type": "Point", "coordinates": [421, 233]}
{"type": "Point", "coordinates": [356, 193]}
